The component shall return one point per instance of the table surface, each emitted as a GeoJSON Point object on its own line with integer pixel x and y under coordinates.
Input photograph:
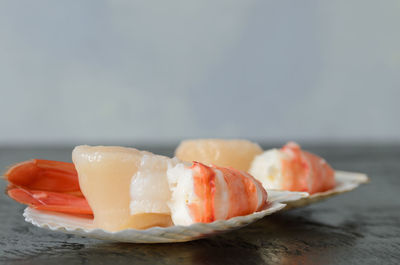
{"type": "Point", "coordinates": [359, 227]}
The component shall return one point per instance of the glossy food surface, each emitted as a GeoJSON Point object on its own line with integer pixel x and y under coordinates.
{"type": "Point", "coordinates": [105, 175]}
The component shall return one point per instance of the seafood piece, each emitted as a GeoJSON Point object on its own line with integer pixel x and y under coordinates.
{"type": "Point", "coordinates": [122, 188]}
{"type": "Point", "coordinates": [149, 188]}
{"type": "Point", "coordinates": [115, 180]}
{"type": "Point", "coordinates": [206, 194]}
{"type": "Point", "coordinates": [225, 153]}
{"type": "Point", "coordinates": [47, 185]}
{"type": "Point", "coordinates": [46, 175]}
{"type": "Point", "coordinates": [51, 201]}
{"type": "Point", "coordinates": [293, 169]}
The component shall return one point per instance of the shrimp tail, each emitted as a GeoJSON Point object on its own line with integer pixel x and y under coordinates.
{"type": "Point", "coordinates": [47, 185]}
{"type": "Point", "coordinates": [51, 201]}
{"type": "Point", "coordinates": [45, 175]}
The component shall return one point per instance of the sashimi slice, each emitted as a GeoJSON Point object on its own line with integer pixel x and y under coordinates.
{"type": "Point", "coordinates": [105, 177]}
{"type": "Point", "coordinates": [225, 153]}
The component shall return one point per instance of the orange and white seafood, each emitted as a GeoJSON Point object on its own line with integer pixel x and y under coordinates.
{"type": "Point", "coordinates": [293, 169]}
{"type": "Point", "coordinates": [126, 188]}
{"type": "Point", "coordinates": [47, 185]}
{"type": "Point", "coordinates": [206, 194]}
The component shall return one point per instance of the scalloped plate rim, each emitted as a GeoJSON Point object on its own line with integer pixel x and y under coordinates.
{"type": "Point", "coordinates": [161, 234]}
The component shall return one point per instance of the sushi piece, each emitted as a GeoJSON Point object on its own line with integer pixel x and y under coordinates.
{"type": "Point", "coordinates": [206, 194]}
{"type": "Point", "coordinates": [293, 169]}
{"type": "Point", "coordinates": [224, 153]}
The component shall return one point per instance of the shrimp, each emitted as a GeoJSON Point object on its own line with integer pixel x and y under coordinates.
{"type": "Point", "coordinates": [44, 175]}
{"type": "Point", "coordinates": [47, 185]}
{"type": "Point", "coordinates": [205, 194]}
{"type": "Point", "coordinates": [293, 169]}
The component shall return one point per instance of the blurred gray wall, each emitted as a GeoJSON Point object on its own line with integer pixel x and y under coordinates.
{"type": "Point", "coordinates": [117, 71]}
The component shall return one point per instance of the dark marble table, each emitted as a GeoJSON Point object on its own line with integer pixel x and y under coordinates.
{"type": "Point", "coordinates": [360, 227]}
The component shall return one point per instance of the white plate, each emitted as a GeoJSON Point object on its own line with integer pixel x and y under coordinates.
{"type": "Point", "coordinates": [84, 227]}
{"type": "Point", "coordinates": [345, 182]}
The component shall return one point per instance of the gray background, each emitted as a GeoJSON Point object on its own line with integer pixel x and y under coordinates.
{"type": "Point", "coordinates": [160, 71]}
